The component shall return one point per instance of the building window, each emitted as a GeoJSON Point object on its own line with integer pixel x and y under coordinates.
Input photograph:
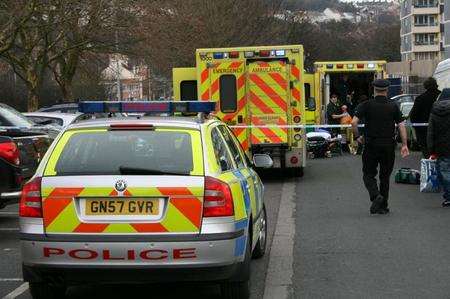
{"type": "Point", "coordinates": [425, 39]}
{"type": "Point", "coordinates": [425, 20]}
{"type": "Point", "coordinates": [425, 3]}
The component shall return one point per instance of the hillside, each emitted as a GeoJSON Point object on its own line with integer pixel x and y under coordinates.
{"type": "Point", "coordinates": [318, 5]}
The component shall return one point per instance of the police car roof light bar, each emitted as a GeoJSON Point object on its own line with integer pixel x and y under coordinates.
{"type": "Point", "coordinates": [146, 107]}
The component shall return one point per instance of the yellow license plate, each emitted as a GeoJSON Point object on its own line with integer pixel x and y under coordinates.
{"type": "Point", "coordinates": [125, 206]}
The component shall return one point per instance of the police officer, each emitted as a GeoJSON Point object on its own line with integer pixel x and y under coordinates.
{"type": "Point", "coordinates": [380, 116]}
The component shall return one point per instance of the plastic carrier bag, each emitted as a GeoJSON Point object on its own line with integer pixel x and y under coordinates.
{"type": "Point", "coordinates": [429, 182]}
{"type": "Point", "coordinates": [407, 176]}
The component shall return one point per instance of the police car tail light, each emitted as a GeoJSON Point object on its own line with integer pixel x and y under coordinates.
{"type": "Point", "coordinates": [10, 152]}
{"type": "Point", "coordinates": [31, 200]}
{"type": "Point", "coordinates": [217, 201]}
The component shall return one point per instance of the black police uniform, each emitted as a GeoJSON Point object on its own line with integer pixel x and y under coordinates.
{"type": "Point", "coordinates": [380, 117]}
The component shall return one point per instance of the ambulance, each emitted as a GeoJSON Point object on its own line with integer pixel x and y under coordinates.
{"type": "Point", "coordinates": [184, 84]}
{"type": "Point", "coordinates": [260, 94]}
{"type": "Point", "coordinates": [342, 78]}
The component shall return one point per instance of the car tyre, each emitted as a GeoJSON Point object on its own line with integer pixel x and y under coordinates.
{"type": "Point", "coordinates": [260, 248]}
{"type": "Point", "coordinates": [46, 291]}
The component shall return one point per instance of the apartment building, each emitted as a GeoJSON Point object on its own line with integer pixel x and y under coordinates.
{"type": "Point", "coordinates": [423, 25]}
{"type": "Point", "coordinates": [446, 25]}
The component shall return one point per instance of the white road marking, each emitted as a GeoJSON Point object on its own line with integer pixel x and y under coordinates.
{"type": "Point", "coordinates": [9, 229]}
{"type": "Point", "coordinates": [280, 271]}
{"type": "Point", "coordinates": [17, 292]}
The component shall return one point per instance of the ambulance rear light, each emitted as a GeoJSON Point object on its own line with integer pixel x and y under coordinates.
{"type": "Point", "coordinates": [249, 54]}
{"type": "Point", "coordinates": [371, 65]}
{"type": "Point", "coordinates": [360, 65]}
{"type": "Point", "coordinates": [218, 200]}
{"type": "Point", "coordinates": [294, 160]}
{"type": "Point", "coordinates": [340, 66]}
{"type": "Point", "coordinates": [31, 201]}
{"type": "Point", "coordinates": [280, 53]}
{"type": "Point", "coordinates": [264, 53]}
{"type": "Point", "coordinates": [218, 55]}
{"type": "Point", "coordinates": [234, 54]}
{"type": "Point", "coordinates": [146, 107]}
{"type": "Point", "coordinates": [297, 137]}
{"type": "Point", "coordinates": [330, 66]}
{"type": "Point", "coordinates": [297, 119]}
{"type": "Point", "coordinates": [350, 66]}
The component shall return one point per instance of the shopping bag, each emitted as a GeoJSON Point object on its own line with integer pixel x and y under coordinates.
{"type": "Point", "coordinates": [429, 182]}
{"type": "Point", "coordinates": [407, 176]}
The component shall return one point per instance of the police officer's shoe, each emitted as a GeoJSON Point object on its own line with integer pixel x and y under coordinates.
{"type": "Point", "coordinates": [446, 203]}
{"type": "Point", "coordinates": [376, 206]}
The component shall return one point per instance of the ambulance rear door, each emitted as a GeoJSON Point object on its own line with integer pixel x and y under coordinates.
{"type": "Point", "coordinates": [268, 90]}
{"type": "Point", "coordinates": [227, 88]}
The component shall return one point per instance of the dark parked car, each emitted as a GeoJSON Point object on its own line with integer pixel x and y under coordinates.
{"type": "Point", "coordinates": [404, 98]}
{"type": "Point", "coordinates": [22, 146]}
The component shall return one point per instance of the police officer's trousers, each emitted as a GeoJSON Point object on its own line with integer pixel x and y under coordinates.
{"type": "Point", "coordinates": [374, 156]}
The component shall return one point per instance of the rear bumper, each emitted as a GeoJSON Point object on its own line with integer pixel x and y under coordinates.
{"type": "Point", "coordinates": [132, 275]}
{"type": "Point", "coordinates": [140, 259]}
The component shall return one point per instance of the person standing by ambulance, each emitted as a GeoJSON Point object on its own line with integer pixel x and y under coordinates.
{"type": "Point", "coordinates": [420, 112]}
{"type": "Point", "coordinates": [380, 118]}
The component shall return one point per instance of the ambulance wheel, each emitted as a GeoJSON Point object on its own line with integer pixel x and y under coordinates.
{"type": "Point", "coordinates": [296, 172]}
{"type": "Point", "coordinates": [260, 248]}
{"type": "Point", "coordinates": [43, 290]}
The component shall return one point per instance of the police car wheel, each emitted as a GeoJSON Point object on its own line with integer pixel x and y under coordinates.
{"type": "Point", "coordinates": [260, 248]}
{"type": "Point", "coordinates": [46, 291]}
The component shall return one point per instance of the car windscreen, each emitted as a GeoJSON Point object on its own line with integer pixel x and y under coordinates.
{"type": "Point", "coordinates": [128, 152]}
{"type": "Point", "coordinates": [12, 117]}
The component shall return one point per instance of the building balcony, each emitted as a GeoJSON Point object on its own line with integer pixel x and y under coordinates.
{"type": "Point", "coordinates": [424, 47]}
{"type": "Point", "coordinates": [426, 28]}
{"type": "Point", "coordinates": [425, 10]}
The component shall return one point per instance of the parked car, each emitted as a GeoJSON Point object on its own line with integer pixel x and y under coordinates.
{"type": "Point", "coordinates": [22, 146]}
{"type": "Point", "coordinates": [63, 108]}
{"type": "Point", "coordinates": [404, 98]}
{"type": "Point", "coordinates": [57, 119]}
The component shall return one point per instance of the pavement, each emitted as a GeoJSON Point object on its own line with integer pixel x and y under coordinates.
{"type": "Point", "coordinates": [323, 243]}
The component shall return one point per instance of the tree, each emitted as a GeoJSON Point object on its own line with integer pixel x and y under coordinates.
{"type": "Point", "coordinates": [171, 31]}
{"type": "Point", "coordinates": [55, 36]}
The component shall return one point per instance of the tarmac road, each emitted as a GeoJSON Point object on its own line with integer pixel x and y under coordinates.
{"type": "Point", "coordinates": [343, 252]}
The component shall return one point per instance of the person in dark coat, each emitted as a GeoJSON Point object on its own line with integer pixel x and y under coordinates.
{"type": "Point", "coordinates": [439, 142]}
{"type": "Point", "coordinates": [420, 113]}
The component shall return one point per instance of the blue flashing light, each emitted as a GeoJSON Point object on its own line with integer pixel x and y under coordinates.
{"type": "Point", "coordinates": [218, 55]}
{"type": "Point", "coordinates": [146, 107]}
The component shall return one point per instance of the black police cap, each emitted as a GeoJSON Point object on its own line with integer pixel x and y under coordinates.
{"type": "Point", "coordinates": [381, 84]}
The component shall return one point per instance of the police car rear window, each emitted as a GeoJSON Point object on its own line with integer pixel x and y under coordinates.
{"type": "Point", "coordinates": [127, 152]}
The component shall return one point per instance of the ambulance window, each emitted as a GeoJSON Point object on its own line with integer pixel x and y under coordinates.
{"type": "Point", "coordinates": [228, 93]}
{"type": "Point", "coordinates": [188, 90]}
{"type": "Point", "coordinates": [307, 90]}
{"type": "Point", "coordinates": [233, 148]}
{"type": "Point", "coordinates": [220, 150]}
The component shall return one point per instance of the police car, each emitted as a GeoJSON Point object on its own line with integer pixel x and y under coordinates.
{"type": "Point", "coordinates": [143, 200]}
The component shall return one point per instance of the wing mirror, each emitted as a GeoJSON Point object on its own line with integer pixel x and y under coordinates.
{"type": "Point", "coordinates": [262, 161]}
